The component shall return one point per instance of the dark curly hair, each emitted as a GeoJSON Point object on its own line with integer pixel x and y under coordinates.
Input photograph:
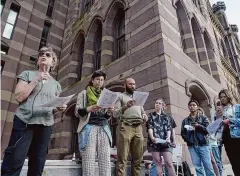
{"type": "Point", "coordinates": [194, 101]}
{"type": "Point", "coordinates": [228, 94]}
{"type": "Point", "coordinates": [95, 75]}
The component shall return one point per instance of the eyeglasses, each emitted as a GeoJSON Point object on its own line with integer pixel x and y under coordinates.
{"type": "Point", "coordinates": [47, 54]}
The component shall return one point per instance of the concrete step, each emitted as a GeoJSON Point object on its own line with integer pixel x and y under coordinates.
{"type": "Point", "coordinates": [70, 168]}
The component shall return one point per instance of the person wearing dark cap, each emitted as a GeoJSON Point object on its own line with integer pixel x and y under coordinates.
{"type": "Point", "coordinates": [193, 132]}
{"type": "Point", "coordinates": [94, 132]}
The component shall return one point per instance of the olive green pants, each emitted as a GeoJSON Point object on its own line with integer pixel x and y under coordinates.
{"type": "Point", "coordinates": [130, 140]}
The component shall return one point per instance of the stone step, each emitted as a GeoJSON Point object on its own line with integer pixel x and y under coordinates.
{"type": "Point", "coordinates": [70, 168]}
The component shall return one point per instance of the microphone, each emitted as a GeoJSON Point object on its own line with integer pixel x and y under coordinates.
{"type": "Point", "coordinates": [46, 68]}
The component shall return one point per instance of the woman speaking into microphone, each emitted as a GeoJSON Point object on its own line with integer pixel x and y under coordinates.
{"type": "Point", "coordinates": [32, 124]}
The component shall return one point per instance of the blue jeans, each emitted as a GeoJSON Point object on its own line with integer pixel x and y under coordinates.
{"type": "Point", "coordinates": [153, 171]}
{"type": "Point", "coordinates": [166, 171]}
{"type": "Point", "coordinates": [31, 140]}
{"type": "Point", "coordinates": [201, 155]}
{"type": "Point", "coordinates": [216, 154]}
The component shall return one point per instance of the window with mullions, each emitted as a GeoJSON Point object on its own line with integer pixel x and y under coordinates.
{"type": "Point", "coordinates": [121, 39]}
{"type": "Point", "coordinates": [120, 46]}
{"type": "Point", "coordinates": [4, 49]}
{"type": "Point", "coordinates": [11, 21]}
{"type": "Point", "coordinates": [2, 5]}
{"type": "Point", "coordinates": [50, 8]}
{"type": "Point", "coordinates": [45, 33]}
{"type": "Point", "coordinates": [2, 66]}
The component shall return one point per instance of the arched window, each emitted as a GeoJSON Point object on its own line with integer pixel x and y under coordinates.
{"type": "Point", "coordinates": [230, 53]}
{"type": "Point", "coordinates": [195, 90]}
{"type": "Point", "coordinates": [187, 39]}
{"type": "Point", "coordinates": [224, 51]}
{"type": "Point", "coordinates": [119, 28]}
{"type": "Point", "coordinates": [217, 40]}
{"type": "Point", "coordinates": [80, 58]}
{"type": "Point", "coordinates": [202, 54]}
{"type": "Point", "coordinates": [77, 54]}
{"type": "Point", "coordinates": [98, 47]}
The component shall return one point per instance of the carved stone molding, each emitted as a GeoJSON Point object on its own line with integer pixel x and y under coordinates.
{"type": "Point", "coordinates": [174, 2]}
{"type": "Point", "coordinates": [193, 82]}
{"type": "Point", "coordinates": [203, 29]}
{"type": "Point", "coordinates": [215, 100]}
{"type": "Point", "coordinates": [116, 4]}
{"type": "Point", "coordinates": [71, 105]}
{"type": "Point", "coordinates": [75, 41]}
{"type": "Point", "coordinates": [190, 15]}
{"type": "Point", "coordinates": [115, 84]}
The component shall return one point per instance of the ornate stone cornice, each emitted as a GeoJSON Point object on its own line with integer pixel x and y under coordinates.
{"type": "Point", "coordinates": [219, 6]}
{"type": "Point", "coordinates": [229, 68]}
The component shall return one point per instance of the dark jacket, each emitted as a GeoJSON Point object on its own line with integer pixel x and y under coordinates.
{"type": "Point", "coordinates": [198, 136]}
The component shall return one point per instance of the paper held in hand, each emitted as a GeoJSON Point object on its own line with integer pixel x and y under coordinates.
{"type": "Point", "coordinates": [189, 127]}
{"type": "Point", "coordinates": [107, 99]}
{"type": "Point", "coordinates": [214, 126]}
{"type": "Point", "coordinates": [160, 141]}
{"type": "Point", "coordinates": [140, 98]}
{"type": "Point", "coordinates": [57, 102]}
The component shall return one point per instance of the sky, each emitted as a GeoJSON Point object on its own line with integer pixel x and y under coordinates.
{"type": "Point", "coordinates": [232, 11]}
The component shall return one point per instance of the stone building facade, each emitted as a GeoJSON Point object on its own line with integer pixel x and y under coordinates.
{"type": "Point", "coordinates": [175, 49]}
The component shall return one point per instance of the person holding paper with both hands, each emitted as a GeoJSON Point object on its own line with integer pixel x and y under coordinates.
{"type": "Point", "coordinates": [159, 128]}
{"type": "Point", "coordinates": [94, 132]}
{"type": "Point", "coordinates": [32, 125]}
{"type": "Point", "coordinates": [130, 135]}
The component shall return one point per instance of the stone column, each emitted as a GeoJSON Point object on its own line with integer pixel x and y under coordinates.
{"type": "Point", "coordinates": [219, 10]}
{"type": "Point", "coordinates": [88, 55]}
{"type": "Point", "coordinates": [186, 33]}
{"type": "Point", "coordinates": [200, 45]}
{"type": "Point", "coordinates": [205, 53]}
{"type": "Point", "coordinates": [107, 44]}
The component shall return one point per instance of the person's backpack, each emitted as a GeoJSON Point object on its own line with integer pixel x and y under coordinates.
{"type": "Point", "coordinates": [186, 169]}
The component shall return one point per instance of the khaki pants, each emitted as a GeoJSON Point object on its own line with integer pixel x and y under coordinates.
{"type": "Point", "coordinates": [130, 139]}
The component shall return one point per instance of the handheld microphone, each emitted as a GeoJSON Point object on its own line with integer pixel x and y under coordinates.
{"type": "Point", "coordinates": [46, 68]}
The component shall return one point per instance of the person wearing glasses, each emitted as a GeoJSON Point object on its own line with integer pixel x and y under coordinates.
{"type": "Point", "coordinates": [32, 124]}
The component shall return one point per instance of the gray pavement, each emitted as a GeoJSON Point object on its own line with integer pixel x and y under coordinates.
{"type": "Point", "coordinates": [226, 172]}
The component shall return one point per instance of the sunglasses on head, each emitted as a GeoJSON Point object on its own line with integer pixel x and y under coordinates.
{"type": "Point", "coordinates": [47, 54]}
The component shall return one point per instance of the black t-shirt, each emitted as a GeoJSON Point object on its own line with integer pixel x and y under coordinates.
{"type": "Point", "coordinates": [96, 118]}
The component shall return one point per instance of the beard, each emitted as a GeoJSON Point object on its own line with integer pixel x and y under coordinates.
{"type": "Point", "coordinates": [130, 90]}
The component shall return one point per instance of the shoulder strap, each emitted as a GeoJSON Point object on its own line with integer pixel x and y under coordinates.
{"type": "Point", "coordinates": [84, 98]}
{"type": "Point", "coordinates": [121, 99]}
